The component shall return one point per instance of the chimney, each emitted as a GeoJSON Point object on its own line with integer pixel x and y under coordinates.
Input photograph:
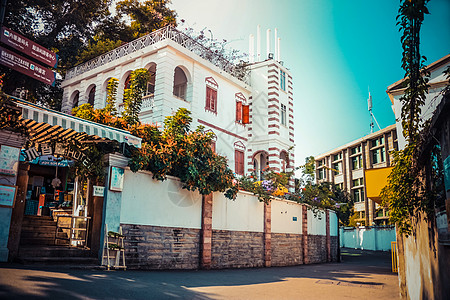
{"type": "Point", "coordinates": [251, 48]}
{"type": "Point", "coordinates": [268, 43]}
{"type": "Point", "coordinates": [258, 43]}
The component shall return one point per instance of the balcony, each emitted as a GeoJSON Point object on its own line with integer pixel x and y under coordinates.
{"type": "Point", "coordinates": [148, 103]}
{"type": "Point", "coordinates": [168, 32]}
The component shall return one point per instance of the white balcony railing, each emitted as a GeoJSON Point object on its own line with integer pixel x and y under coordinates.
{"type": "Point", "coordinates": [148, 103]}
{"type": "Point", "coordinates": [167, 32]}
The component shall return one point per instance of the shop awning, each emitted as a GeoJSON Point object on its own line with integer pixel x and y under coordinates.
{"type": "Point", "coordinates": [46, 124]}
{"type": "Point", "coordinates": [376, 180]}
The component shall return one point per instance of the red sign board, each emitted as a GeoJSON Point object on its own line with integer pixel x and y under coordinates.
{"type": "Point", "coordinates": [28, 47]}
{"type": "Point", "coordinates": [26, 66]}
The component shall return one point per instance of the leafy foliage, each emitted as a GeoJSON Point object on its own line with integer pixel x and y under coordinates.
{"type": "Point", "coordinates": [111, 95]}
{"type": "Point", "coordinates": [132, 97]}
{"type": "Point", "coordinates": [182, 153]}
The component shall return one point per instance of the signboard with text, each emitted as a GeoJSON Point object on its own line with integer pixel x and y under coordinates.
{"type": "Point", "coordinates": [7, 195]}
{"type": "Point", "coordinates": [26, 66]}
{"type": "Point", "coordinates": [28, 47]}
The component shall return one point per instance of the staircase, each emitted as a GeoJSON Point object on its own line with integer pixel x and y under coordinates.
{"type": "Point", "coordinates": [37, 245]}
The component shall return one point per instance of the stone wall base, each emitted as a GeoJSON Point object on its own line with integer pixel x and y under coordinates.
{"type": "Point", "coordinates": [286, 249]}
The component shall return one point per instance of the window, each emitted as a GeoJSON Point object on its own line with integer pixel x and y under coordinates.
{"type": "Point", "coordinates": [340, 186]}
{"type": "Point", "coordinates": [337, 168]}
{"type": "Point", "coordinates": [283, 114]}
{"type": "Point", "coordinates": [337, 156]}
{"type": "Point", "coordinates": [320, 163]}
{"type": "Point", "coordinates": [75, 100]}
{"type": "Point", "coordinates": [358, 182]}
{"type": "Point", "coordinates": [211, 94]}
{"type": "Point", "coordinates": [356, 150]}
{"type": "Point", "coordinates": [378, 155]}
{"type": "Point", "coordinates": [239, 162]}
{"type": "Point", "coordinates": [322, 173]}
{"type": "Point", "coordinates": [356, 162]}
{"type": "Point", "coordinates": [358, 195]}
{"type": "Point", "coordinates": [282, 80]}
{"type": "Point", "coordinates": [213, 146]}
{"type": "Point", "coordinates": [242, 110]}
{"type": "Point", "coordinates": [378, 142]}
{"type": "Point", "coordinates": [179, 83]}
{"type": "Point", "coordinates": [91, 97]}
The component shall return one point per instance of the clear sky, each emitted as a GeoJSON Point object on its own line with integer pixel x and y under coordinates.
{"type": "Point", "coordinates": [335, 49]}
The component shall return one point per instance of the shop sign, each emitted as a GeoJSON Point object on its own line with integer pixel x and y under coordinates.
{"type": "Point", "coordinates": [9, 160]}
{"type": "Point", "coordinates": [27, 67]}
{"type": "Point", "coordinates": [28, 47]}
{"type": "Point", "coordinates": [7, 195]}
{"type": "Point", "coordinates": [60, 149]}
{"type": "Point", "coordinates": [99, 191]}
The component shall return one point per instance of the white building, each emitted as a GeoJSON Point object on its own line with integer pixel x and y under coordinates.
{"type": "Point", "coordinates": [220, 96]}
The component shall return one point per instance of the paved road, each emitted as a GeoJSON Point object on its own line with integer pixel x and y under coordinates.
{"type": "Point", "coordinates": [361, 275]}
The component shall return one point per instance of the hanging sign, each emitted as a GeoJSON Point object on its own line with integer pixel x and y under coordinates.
{"type": "Point", "coordinates": [27, 67]}
{"type": "Point", "coordinates": [28, 47]}
{"type": "Point", "coordinates": [9, 160]}
{"type": "Point", "coordinates": [98, 191]}
{"type": "Point", "coordinates": [7, 195]}
{"type": "Point", "coordinates": [43, 154]}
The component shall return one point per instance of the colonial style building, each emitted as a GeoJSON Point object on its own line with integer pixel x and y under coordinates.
{"type": "Point", "coordinates": [249, 110]}
{"type": "Point", "coordinates": [345, 166]}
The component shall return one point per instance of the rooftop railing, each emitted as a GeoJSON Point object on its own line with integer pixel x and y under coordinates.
{"type": "Point", "coordinates": [168, 32]}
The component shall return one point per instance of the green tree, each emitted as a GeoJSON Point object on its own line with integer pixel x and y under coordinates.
{"type": "Point", "coordinates": [111, 95]}
{"type": "Point", "coordinates": [132, 97]}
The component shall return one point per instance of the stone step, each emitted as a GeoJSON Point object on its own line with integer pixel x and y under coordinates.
{"type": "Point", "coordinates": [37, 234]}
{"type": "Point", "coordinates": [37, 241]}
{"type": "Point", "coordinates": [53, 251]}
{"type": "Point", "coordinates": [28, 228]}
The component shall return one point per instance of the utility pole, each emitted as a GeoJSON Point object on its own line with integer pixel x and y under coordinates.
{"type": "Point", "coordinates": [372, 116]}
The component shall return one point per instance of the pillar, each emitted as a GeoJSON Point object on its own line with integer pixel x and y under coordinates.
{"type": "Point", "coordinates": [267, 235]}
{"type": "Point", "coordinates": [305, 234]}
{"type": "Point", "coordinates": [206, 232]}
{"type": "Point", "coordinates": [328, 237]}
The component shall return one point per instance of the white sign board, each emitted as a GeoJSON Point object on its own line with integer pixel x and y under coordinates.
{"type": "Point", "coordinates": [99, 191]}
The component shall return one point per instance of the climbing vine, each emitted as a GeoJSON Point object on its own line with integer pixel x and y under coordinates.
{"type": "Point", "coordinates": [406, 192]}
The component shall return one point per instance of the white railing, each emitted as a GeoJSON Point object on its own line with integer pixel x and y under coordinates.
{"type": "Point", "coordinates": [148, 103]}
{"type": "Point", "coordinates": [167, 32]}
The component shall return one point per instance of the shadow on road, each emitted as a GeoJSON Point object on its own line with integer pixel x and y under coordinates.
{"type": "Point", "coordinates": [63, 282]}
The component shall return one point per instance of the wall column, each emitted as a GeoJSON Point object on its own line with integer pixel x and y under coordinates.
{"type": "Point", "coordinates": [328, 238]}
{"type": "Point", "coordinates": [206, 232]}
{"type": "Point", "coordinates": [267, 235]}
{"type": "Point", "coordinates": [305, 234]}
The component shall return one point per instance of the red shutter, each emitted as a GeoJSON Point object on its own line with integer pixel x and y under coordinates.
{"type": "Point", "coordinates": [208, 98]}
{"type": "Point", "coordinates": [213, 100]}
{"type": "Point", "coordinates": [238, 111]}
{"type": "Point", "coordinates": [245, 114]}
{"type": "Point", "coordinates": [213, 146]}
{"type": "Point", "coordinates": [239, 162]}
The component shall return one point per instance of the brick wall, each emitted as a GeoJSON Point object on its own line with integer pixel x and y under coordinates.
{"type": "Point", "coordinates": [237, 249]}
{"type": "Point", "coordinates": [334, 248]}
{"type": "Point", "coordinates": [286, 249]}
{"type": "Point", "coordinates": [155, 247]}
{"type": "Point", "coordinates": [317, 246]}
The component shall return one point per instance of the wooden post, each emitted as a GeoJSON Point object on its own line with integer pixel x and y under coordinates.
{"type": "Point", "coordinates": [18, 211]}
{"type": "Point", "coordinates": [267, 235]}
{"type": "Point", "coordinates": [206, 232]}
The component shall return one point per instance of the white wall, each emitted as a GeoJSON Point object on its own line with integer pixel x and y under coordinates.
{"type": "Point", "coordinates": [150, 202]}
{"type": "Point", "coordinates": [317, 223]}
{"type": "Point", "coordinates": [283, 217]}
{"type": "Point", "coordinates": [246, 213]}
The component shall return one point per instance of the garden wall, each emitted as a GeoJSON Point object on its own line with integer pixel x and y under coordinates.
{"type": "Point", "coordinates": [167, 227]}
{"type": "Point", "coordinates": [375, 238]}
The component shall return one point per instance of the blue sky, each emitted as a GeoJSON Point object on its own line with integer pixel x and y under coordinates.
{"type": "Point", "coordinates": [335, 49]}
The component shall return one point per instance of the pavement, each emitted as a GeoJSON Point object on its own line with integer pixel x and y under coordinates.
{"type": "Point", "coordinates": [360, 275]}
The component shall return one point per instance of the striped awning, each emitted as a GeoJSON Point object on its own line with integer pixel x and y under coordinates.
{"type": "Point", "coordinates": [47, 124]}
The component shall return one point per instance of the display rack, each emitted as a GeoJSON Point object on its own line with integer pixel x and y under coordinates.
{"type": "Point", "coordinates": [113, 249]}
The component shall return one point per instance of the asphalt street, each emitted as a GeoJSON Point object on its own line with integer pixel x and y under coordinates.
{"type": "Point", "coordinates": [360, 275]}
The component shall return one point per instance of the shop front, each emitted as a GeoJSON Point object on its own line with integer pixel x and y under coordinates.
{"type": "Point", "coordinates": [55, 205]}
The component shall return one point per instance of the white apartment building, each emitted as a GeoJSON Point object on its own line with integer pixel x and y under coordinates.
{"type": "Point", "coordinates": [250, 113]}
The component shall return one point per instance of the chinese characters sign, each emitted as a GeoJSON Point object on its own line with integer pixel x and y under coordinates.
{"type": "Point", "coordinates": [45, 149]}
{"type": "Point", "coordinates": [26, 66]}
{"type": "Point", "coordinates": [116, 179]}
{"type": "Point", "coordinates": [9, 160]}
{"type": "Point", "coordinates": [28, 47]}
{"type": "Point", "coordinates": [7, 195]}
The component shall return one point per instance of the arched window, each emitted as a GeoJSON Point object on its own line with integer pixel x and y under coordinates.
{"type": "Point", "coordinates": [284, 161]}
{"type": "Point", "coordinates": [150, 91]}
{"type": "Point", "coordinates": [211, 94]}
{"type": "Point", "coordinates": [91, 97]}
{"type": "Point", "coordinates": [127, 83]}
{"type": "Point", "coordinates": [75, 99]}
{"type": "Point", "coordinates": [179, 83]}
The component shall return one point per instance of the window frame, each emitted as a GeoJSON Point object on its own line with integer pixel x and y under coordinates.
{"type": "Point", "coordinates": [283, 80]}
{"type": "Point", "coordinates": [239, 164]}
{"type": "Point", "coordinates": [211, 95]}
{"type": "Point", "coordinates": [283, 115]}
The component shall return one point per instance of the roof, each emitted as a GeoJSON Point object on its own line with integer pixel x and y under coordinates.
{"type": "Point", "coordinates": [358, 141]}
{"type": "Point", "coordinates": [46, 124]}
{"type": "Point", "coordinates": [431, 67]}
